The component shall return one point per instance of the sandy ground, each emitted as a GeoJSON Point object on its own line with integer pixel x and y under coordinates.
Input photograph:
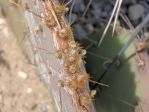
{"type": "Point", "coordinates": [20, 87]}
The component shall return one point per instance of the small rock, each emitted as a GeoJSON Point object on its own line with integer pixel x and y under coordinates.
{"type": "Point", "coordinates": [73, 17]}
{"type": "Point", "coordinates": [22, 74]}
{"type": "Point", "coordinates": [2, 24]}
{"type": "Point", "coordinates": [34, 106]}
{"type": "Point", "coordinates": [79, 6]}
{"type": "Point", "coordinates": [89, 28]}
{"type": "Point", "coordinates": [96, 11]}
{"type": "Point", "coordinates": [125, 2]}
{"type": "Point", "coordinates": [136, 11]}
{"type": "Point", "coordinates": [79, 31]}
{"type": "Point", "coordinates": [145, 5]}
{"type": "Point", "coordinates": [43, 109]}
{"type": "Point", "coordinates": [29, 90]}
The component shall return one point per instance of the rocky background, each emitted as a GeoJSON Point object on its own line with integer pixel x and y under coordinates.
{"type": "Point", "coordinates": [100, 11]}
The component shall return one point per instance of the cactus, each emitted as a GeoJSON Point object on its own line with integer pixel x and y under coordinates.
{"type": "Point", "coordinates": [48, 42]}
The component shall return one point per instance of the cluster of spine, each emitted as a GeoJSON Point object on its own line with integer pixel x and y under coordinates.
{"type": "Point", "coordinates": [72, 54]}
{"type": "Point", "coordinates": [69, 52]}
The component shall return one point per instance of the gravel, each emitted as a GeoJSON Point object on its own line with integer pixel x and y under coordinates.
{"type": "Point", "coordinates": [78, 29]}
{"type": "Point", "coordinates": [100, 11]}
{"type": "Point", "coordinates": [136, 11]}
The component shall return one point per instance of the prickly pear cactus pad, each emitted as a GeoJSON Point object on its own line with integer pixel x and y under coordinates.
{"type": "Point", "coordinates": [124, 91]}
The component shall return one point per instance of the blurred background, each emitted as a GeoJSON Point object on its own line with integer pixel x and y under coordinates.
{"type": "Point", "coordinates": [21, 90]}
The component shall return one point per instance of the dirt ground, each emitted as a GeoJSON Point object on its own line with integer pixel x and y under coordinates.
{"type": "Point", "coordinates": [20, 87]}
